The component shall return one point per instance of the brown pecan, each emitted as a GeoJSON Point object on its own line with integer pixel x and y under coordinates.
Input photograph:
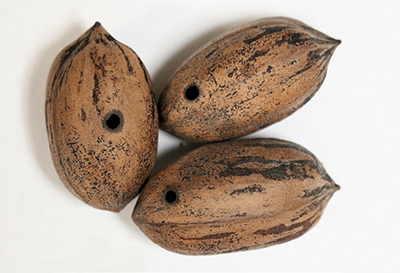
{"type": "Point", "coordinates": [102, 120]}
{"type": "Point", "coordinates": [246, 80]}
{"type": "Point", "coordinates": [233, 196]}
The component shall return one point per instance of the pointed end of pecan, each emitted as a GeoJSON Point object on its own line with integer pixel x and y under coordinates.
{"type": "Point", "coordinates": [98, 32]}
{"type": "Point", "coordinates": [334, 42]}
{"type": "Point", "coordinates": [97, 24]}
{"type": "Point", "coordinates": [336, 187]}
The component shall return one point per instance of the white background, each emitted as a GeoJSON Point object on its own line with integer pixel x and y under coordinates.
{"type": "Point", "coordinates": [352, 125]}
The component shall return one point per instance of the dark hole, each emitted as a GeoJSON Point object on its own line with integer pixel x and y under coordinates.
{"type": "Point", "coordinates": [170, 196]}
{"type": "Point", "coordinates": [192, 92]}
{"type": "Point", "coordinates": [113, 121]}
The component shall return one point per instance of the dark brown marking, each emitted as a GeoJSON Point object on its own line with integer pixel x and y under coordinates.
{"type": "Point", "coordinates": [293, 39]}
{"type": "Point", "coordinates": [144, 70]}
{"type": "Point", "coordinates": [211, 53]}
{"type": "Point", "coordinates": [257, 54]}
{"type": "Point", "coordinates": [250, 189]}
{"type": "Point", "coordinates": [83, 115]}
{"type": "Point", "coordinates": [317, 191]}
{"type": "Point", "coordinates": [239, 215]}
{"type": "Point", "coordinates": [96, 90]}
{"type": "Point", "coordinates": [313, 57]}
{"type": "Point", "coordinates": [288, 145]}
{"type": "Point", "coordinates": [211, 236]}
{"type": "Point", "coordinates": [267, 31]}
{"type": "Point", "coordinates": [284, 171]}
{"type": "Point", "coordinates": [128, 62]}
{"type": "Point", "coordinates": [305, 225]}
{"type": "Point", "coordinates": [109, 37]}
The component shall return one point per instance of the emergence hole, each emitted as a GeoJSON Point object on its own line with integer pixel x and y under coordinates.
{"type": "Point", "coordinates": [171, 196]}
{"type": "Point", "coordinates": [192, 92]}
{"type": "Point", "coordinates": [113, 121]}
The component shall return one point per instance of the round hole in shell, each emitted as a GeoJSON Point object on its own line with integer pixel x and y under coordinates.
{"type": "Point", "coordinates": [192, 92]}
{"type": "Point", "coordinates": [113, 121]}
{"type": "Point", "coordinates": [171, 196]}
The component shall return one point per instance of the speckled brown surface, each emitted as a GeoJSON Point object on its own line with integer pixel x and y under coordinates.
{"type": "Point", "coordinates": [234, 195]}
{"type": "Point", "coordinates": [246, 80]}
{"type": "Point", "coordinates": [102, 120]}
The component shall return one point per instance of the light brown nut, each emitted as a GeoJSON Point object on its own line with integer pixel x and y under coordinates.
{"type": "Point", "coordinates": [234, 195]}
{"type": "Point", "coordinates": [245, 80]}
{"type": "Point", "coordinates": [102, 120]}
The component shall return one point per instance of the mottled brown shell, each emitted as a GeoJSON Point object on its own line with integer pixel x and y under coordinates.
{"type": "Point", "coordinates": [102, 120]}
{"type": "Point", "coordinates": [233, 196]}
{"type": "Point", "coordinates": [245, 80]}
